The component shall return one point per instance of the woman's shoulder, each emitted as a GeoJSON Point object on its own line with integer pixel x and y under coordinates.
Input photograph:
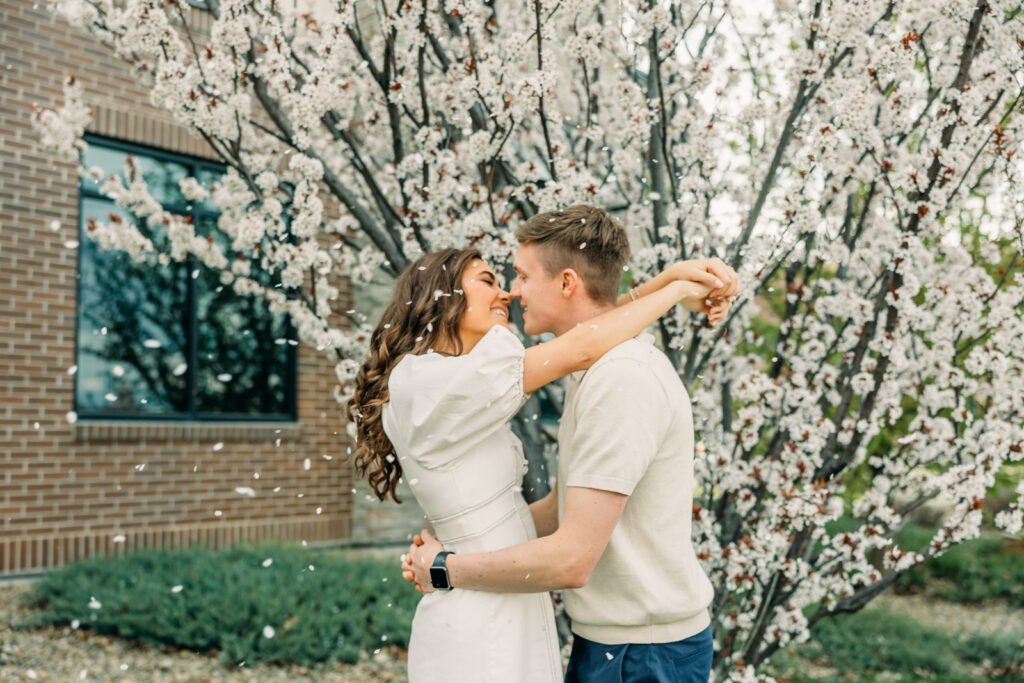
{"type": "Point", "coordinates": [499, 339]}
{"type": "Point", "coordinates": [499, 345]}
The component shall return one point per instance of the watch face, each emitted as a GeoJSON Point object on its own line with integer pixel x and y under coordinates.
{"type": "Point", "coordinates": [438, 577]}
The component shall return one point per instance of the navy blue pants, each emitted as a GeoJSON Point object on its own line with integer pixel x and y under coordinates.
{"type": "Point", "coordinates": [684, 661]}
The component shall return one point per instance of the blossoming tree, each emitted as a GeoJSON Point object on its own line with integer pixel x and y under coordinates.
{"type": "Point", "coordinates": [860, 157]}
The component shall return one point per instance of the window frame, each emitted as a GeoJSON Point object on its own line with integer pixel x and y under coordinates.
{"type": "Point", "coordinates": [191, 325]}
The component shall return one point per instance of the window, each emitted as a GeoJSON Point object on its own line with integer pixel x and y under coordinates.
{"type": "Point", "coordinates": [171, 342]}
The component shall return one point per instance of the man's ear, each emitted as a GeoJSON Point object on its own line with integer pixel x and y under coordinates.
{"type": "Point", "coordinates": [570, 282]}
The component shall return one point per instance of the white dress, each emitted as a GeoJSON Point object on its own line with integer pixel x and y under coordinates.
{"type": "Point", "coordinates": [448, 419]}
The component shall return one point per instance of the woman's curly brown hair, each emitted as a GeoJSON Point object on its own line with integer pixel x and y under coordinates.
{"type": "Point", "coordinates": [424, 313]}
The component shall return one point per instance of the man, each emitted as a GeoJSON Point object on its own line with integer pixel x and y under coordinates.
{"type": "Point", "coordinates": [616, 530]}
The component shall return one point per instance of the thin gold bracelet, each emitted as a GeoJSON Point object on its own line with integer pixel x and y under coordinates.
{"type": "Point", "coordinates": [633, 294]}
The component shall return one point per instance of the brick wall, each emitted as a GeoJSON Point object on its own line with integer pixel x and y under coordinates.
{"type": "Point", "coordinates": [74, 490]}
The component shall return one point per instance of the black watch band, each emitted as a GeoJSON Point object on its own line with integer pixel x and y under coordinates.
{"type": "Point", "coordinates": [439, 572]}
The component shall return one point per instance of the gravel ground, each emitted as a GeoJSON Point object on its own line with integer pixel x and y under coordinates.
{"type": "Point", "coordinates": [63, 654]}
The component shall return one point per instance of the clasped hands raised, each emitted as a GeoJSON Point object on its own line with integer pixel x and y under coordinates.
{"type": "Point", "coordinates": [719, 286]}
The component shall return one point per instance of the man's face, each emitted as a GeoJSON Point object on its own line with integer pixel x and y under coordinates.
{"type": "Point", "coordinates": [539, 294]}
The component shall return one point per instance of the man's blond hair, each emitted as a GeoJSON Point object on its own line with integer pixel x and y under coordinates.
{"type": "Point", "coordinates": [584, 238]}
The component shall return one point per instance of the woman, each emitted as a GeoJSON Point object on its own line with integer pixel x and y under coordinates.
{"type": "Point", "coordinates": [433, 403]}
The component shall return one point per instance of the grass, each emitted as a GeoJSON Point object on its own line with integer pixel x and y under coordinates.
{"type": "Point", "coordinates": [876, 644]}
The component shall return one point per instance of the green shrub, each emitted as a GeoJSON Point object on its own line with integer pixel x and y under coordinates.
{"type": "Point", "coordinates": [321, 606]}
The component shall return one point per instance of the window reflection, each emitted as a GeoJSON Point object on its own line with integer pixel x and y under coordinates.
{"type": "Point", "coordinates": [242, 356]}
{"type": "Point", "coordinates": [171, 341]}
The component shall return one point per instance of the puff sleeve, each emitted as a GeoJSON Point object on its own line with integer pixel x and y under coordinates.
{"type": "Point", "coordinates": [440, 407]}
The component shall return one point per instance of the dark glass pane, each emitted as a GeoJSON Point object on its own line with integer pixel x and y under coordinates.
{"type": "Point", "coordinates": [131, 330]}
{"type": "Point", "coordinates": [161, 176]}
{"type": "Point", "coordinates": [243, 361]}
{"type": "Point", "coordinates": [110, 160]}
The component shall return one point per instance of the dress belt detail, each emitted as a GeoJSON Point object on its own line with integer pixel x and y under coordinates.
{"type": "Point", "coordinates": [479, 519]}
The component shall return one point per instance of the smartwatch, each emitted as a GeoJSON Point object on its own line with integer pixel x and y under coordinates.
{"type": "Point", "coordinates": [439, 572]}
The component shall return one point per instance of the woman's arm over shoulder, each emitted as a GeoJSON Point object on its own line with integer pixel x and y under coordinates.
{"type": "Point", "coordinates": [580, 347]}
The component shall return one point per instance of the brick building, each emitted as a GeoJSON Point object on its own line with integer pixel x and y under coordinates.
{"type": "Point", "coordinates": [113, 438]}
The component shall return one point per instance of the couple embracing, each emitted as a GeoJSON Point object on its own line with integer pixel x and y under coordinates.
{"type": "Point", "coordinates": [433, 404]}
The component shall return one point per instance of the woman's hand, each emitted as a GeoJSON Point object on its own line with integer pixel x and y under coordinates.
{"type": "Point", "coordinates": [696, 298]}
{"type": "Point", "coordinates": [416, 563]}
{"type": "Point", "coordinates": [710, 286]}
{"type": "Point", "coordinates": [717, 300]}
{"type": "Point", "coordinates": [697, 270]}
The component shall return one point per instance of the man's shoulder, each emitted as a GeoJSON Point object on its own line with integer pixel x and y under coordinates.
{"type": "Point", "coordinates": [638, 353]}
{"type": "Point", "coordinates": [637, 362]}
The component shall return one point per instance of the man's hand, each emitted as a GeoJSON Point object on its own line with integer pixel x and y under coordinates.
{"type": "Point", "coordinates": [416, 563]}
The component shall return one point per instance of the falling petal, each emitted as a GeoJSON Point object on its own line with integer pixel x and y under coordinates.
{"type": "Point", "coordinates": [176, 589]}
{"type": "Point", "coordinates": [152, 344]}
{"type": "Point", "coordinates": [267, 562]}
{"type": "Point", "coordinates": [245, 491]}
{"type": "Point", "coordinates": [219, 445]}
{"type": "Point", "coordinates": [179, 369]}
{"type": "Point", "coordinates": [268, 632]}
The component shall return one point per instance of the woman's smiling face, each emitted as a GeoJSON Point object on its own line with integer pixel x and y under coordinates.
{"type": "Point", "coordinates": [486, 303]}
